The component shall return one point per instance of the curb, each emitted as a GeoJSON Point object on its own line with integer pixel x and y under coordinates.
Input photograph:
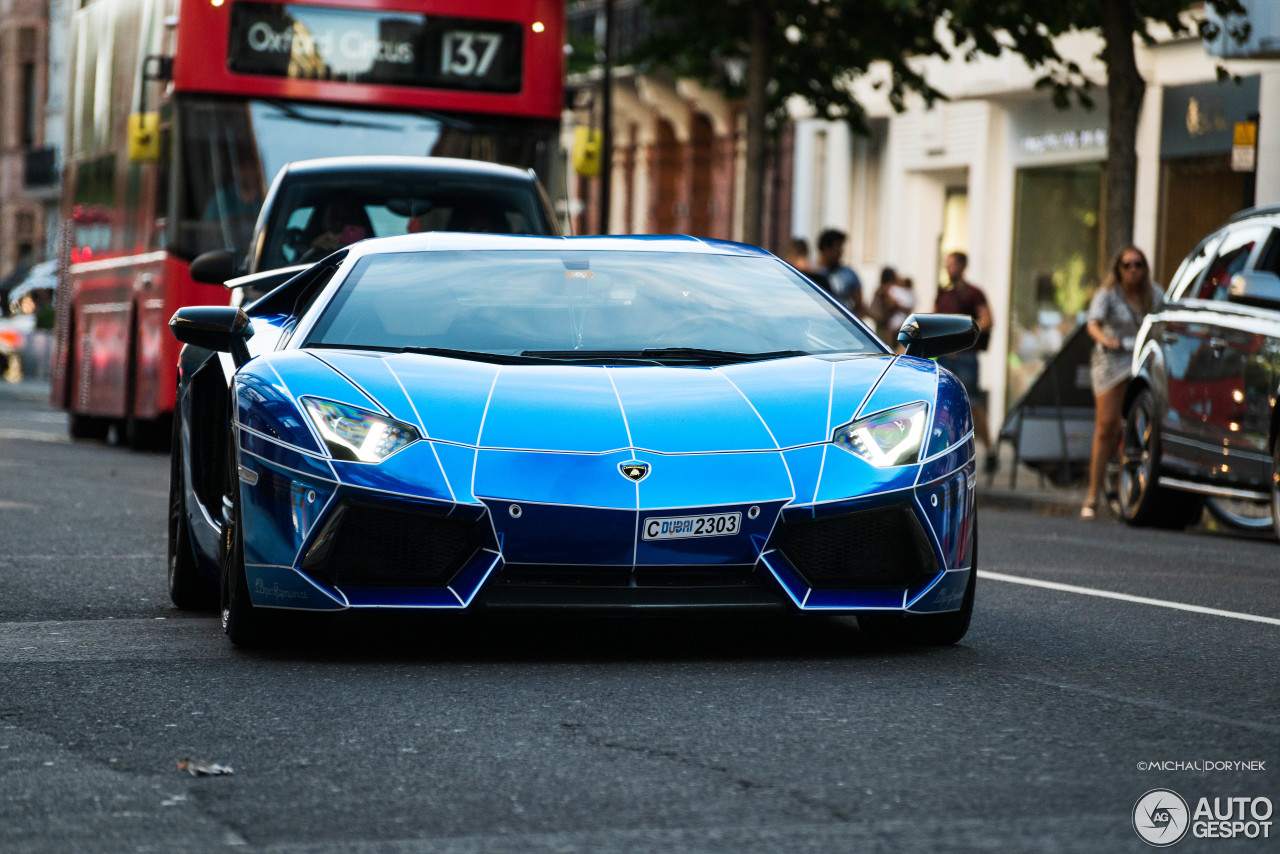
{"type": "Point", "coordinates": [1064, 503]}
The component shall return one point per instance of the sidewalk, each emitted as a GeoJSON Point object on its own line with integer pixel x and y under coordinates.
{"type": "Point", "coordinates": [32, 390]}
{"type": "Point", "coordinates": [1033, 491]}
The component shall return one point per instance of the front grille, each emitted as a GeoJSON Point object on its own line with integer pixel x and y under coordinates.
{"type": "Point", "coordinates": [370, 546]}
{"type": "Point", "coordinates": [537, 575]}
{"type": "Point", "coordinates": [871, 548]}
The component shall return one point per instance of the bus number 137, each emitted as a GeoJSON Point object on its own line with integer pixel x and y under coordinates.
{"type": "Point", "coordinates": [469, 54]}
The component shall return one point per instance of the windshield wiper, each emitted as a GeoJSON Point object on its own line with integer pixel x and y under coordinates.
{"type": "Point", "coordinates": [698, 354]}
{"type": "Point", "coordinates": [479, 356]}
{"type": "Point", "coordinates": [664, 354]}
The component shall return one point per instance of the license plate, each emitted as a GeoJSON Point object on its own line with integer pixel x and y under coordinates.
{"type": "Point", "coordinates": [684, 527]}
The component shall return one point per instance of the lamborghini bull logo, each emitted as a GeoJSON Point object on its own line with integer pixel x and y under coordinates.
{"type": "Point", "coordinates": [634, 470]}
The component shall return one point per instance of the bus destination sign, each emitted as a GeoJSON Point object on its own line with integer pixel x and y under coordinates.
{"type": "Point", "coordinates": [399, 48]}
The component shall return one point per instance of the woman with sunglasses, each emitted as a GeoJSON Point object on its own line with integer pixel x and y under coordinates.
{"type": "Point", "coordinates": [1115, 315]}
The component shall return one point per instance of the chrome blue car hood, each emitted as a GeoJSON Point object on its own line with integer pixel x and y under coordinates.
{"type": "Point", "coordinates": [761, 406]}
{"type": "Point", "coordinates": [503, 431]}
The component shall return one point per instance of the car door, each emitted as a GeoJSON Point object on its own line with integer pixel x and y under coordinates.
{"type": "Point", "coordinates": [1179, 333]}
{"type": "Point", "coordinates": [1246, 336]}
{"type": "Point", "coordinates": [1232, 366]}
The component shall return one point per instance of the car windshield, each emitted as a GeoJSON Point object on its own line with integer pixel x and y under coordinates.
{"type": "Point", "coordinates": [585, 306]}
{"type": "Point", "coordinates": [313, 215]}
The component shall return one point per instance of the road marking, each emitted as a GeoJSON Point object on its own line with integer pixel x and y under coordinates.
{"type": "Point", "coordinates": [1125, 597]}
{"type": "Point", "coordinates": [35, 436]}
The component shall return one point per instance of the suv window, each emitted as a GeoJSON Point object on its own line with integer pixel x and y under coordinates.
{"type": "Point", "coordinates": [1232, 257]}
{"type": "Point", "coordinates": [1269, 260]}
{"type": "Point", "coordinates": [1191, 268]}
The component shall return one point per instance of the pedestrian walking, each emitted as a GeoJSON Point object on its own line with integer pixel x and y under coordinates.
{"type": "Point", "coordinates": [843, 282]}
{"type": "Point", "coordinates": [960, 296]}
{"type": "Point", "coordinates": [1115, 314]}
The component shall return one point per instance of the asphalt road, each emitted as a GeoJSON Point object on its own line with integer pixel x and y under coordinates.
{"type": "Point", "coordinates": [635, 735]}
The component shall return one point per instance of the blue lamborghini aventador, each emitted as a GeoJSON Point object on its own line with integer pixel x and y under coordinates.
{"type": "Point", "coordinates": [464, 421]}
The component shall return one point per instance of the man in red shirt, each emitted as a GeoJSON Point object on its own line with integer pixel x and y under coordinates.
{"type": "Point", "coordinates": [959, 296]}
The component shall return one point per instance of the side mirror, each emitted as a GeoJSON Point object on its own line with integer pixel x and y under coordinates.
{"type": "Point", "coordinates": [222, 328]}
{"type": "Point", "coordinates": [214, 267]}
{"type": "Point", "coordinates": [931, 335]}
{"type": "Point", "coordinates": [1255, 287]}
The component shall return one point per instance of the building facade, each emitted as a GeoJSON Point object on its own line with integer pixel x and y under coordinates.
{"type": "Point", "coordinates": [29, 136]}
{"type": "Point", "coordinates": [678, 155]}
{"type": "Point", "coordinates": [998, 172]}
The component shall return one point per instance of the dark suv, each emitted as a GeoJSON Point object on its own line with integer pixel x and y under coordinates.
{"type": "Point", "coordinates": [1200, 411]}
{"type": "Point", "coordinates": [315, 207]}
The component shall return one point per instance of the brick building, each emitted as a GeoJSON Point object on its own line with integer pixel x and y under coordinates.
{"type": "Point", "coordinates": [28, 157]}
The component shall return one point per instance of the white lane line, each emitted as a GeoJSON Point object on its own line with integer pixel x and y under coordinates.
{"type": "Point", "coordinates": [1125, 597]}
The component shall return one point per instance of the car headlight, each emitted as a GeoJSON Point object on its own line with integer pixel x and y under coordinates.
{"type": "Point", "coordinates": [889, 438]}
{"type": "Point", "coordinates": [357, 434]}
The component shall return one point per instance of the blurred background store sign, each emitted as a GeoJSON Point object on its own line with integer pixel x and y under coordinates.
{"type": "Point", "coordinates": [1199, 118]}
{"type": "Point", "coordinates": [1070, 140]}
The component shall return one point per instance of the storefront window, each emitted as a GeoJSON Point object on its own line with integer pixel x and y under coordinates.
{"type": "Point", "coordinates": [1056, 264]}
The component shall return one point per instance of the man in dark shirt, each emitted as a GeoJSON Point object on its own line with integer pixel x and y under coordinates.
{"type": "Point", "coordinates": [842, 281]}
{"type": "Point", "coordinates": [959, 296]}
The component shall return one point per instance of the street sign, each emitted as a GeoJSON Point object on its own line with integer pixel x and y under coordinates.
{"type": "Point", "coordinates": [1244, 147]}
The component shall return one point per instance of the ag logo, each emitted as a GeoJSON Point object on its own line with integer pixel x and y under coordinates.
{"type": "Point", "coordinates": [634, 470]}
{"type": "Point", "coordinates": [1160, 817]}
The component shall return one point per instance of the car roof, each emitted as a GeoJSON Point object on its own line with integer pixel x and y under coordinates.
{"type": "Point", "coordinates": [443, 241]}
{"type": "Point", "coordinates": [1260, 211]}
{"type": "Point", "coordinates": [443, 166]}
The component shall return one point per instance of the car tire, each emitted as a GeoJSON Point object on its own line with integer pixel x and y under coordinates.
{"type": "Point", "coordinates": [1143, 502]}
{"type": "Point", "coordinates": [242, 623]}
{"type": "Point", "coordinates": [87, 426]}
{"type": "Point", "coordinates": [1241, 515]}
{"type": "Point", "coordinates": [926, 629]}
{"type": "Point", "coordinates": [188, 589]}
{"type": "Point", "coordinates": [141, 434]}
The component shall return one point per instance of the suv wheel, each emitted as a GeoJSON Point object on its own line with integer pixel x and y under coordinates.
{"type": "Point", "coordinates": [1142, 500]}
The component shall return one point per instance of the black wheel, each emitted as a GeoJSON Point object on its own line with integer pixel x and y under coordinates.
{"type": "Point", "coordinates": [1241, 514]}
{"type": "Point", "coordinates": [242, 623]}
{"type": "Point", "coordinates": [87, 426]}
{"type": "Point", "coordinates": [188, 590]}
{"type": "Point", "coordinates": [927, 629]}
{"type": "Point", "coordinates": [1111, 486]}
{"type": "Point", "coordinates": [1142, 500]}
{"type": "Point", "coordinates": [141, 434]}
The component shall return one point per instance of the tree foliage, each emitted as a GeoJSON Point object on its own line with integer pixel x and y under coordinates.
{"type": "Point", "coordinates": [816, 47]}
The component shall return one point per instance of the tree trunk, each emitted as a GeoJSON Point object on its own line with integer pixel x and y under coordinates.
{"type": "Point", "coordinates": [757, 84]}
{"type": "Point", "coordinates": [1125, 88]}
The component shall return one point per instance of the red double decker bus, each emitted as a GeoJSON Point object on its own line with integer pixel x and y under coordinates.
{"type": "Point", "coordinates": [182, 111]}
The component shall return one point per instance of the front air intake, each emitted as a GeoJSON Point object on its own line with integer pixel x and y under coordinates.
{"type": "Point", "coordinates": [885, 547]}
{"type": "Point", "coordinates": [370, 546]}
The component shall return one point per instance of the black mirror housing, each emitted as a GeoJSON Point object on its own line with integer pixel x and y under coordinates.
{"type": "Point", "coordinates": [1257, 288]}
{"type": "Point", "coordinates": [214, 267]}
{"type": "Point", "coordinates": [931, 335]}
{"type": "Point", "coordinates": [222, 328]}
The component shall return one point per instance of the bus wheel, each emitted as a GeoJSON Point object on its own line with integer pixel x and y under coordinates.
{"type": "Point", "coordinates": [87, 426]}
{"type": "Point", "coordinates": [141, 434]}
